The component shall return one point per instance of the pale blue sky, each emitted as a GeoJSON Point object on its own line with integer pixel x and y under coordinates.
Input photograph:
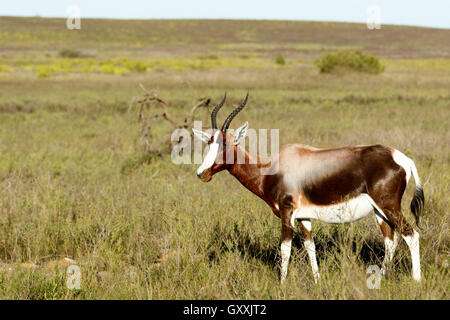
{"type": "Point", "coordinates": [431, 13]}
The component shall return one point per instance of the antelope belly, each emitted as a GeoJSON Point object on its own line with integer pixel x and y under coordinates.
{"type": "Point", "coordinates": [348, 211]}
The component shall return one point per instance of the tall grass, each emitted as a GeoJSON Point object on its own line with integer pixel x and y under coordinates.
{"type": "Point", "coordinates": [70, 186]}
{"type": "Point", "coordinates": [157, 232]}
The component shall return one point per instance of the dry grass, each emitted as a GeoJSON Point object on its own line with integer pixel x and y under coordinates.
{"type": "Point", "coordinates": [157, 232]}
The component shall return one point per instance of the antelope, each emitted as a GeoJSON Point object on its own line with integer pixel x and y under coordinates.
{"type": "Point", "coordinates": [337, 185]}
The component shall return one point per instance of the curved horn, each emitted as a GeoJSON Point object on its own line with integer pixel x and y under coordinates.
{"type": "Point", "coordinates": [233, 114]}
{"type": "Point", "coordinates": [215, 110]}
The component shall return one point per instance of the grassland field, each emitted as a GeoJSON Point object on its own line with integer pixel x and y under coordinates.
{"type": "Point", "coordinates": [154, 231]}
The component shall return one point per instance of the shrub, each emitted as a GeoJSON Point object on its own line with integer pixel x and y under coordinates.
{"type": "Point", "coordinates": [68, 53]}
{"type": "Point", "coordinates": [208, 57]}
{"type": "Point", "coordinates": [112, 69]}
{"type": "Point", "coordinates": [349, 59]}
{"type": "Point", "coordinates": [43, 71]}
{"type": "Point", "coordinates": [279, 59]}
{"type": "Point", "coordinates": [134, 66]}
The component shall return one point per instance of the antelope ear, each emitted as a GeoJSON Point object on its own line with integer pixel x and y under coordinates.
{"type": "Point", "coordinates": [240, 133]}
{"type": "Point", "coordinates": [205, 137]}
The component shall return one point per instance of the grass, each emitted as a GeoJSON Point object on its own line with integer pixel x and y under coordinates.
{"type": "Point", "coordinates": [153, 230]}
{"type": "Point", "coordinates": [124, 65]}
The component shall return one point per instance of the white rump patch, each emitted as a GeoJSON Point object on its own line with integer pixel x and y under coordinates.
{"type": "Point", "coordinates": [211, 156]}
{"type": "Point", "coordinates": [348, 211]}
{"type": "Point", "coordinates": [407, 164]}
{"type": "Point", "coordinates": [403, 161]}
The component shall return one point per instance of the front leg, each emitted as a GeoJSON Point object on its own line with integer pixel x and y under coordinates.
{"type": "Point", "coordinates": [287, 233]}
{"type": "Point", "coordinates": [308, 241]}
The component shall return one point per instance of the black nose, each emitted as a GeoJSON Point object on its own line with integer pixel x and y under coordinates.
{"type": "Point", "coordinates": [200, 174]}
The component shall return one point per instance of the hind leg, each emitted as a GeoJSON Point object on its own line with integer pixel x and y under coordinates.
{"type": "Point", "coordinates": [411, 238]}
{"type": "Point", "coordinates": [390, 243]}
{"type": "Point", "coordinates": [410, 235]}
{"type": "Point", "coordinates": [287, 233]}
{"type": "Point", "coordinates": [387, 199]}
{"type": "Point", "coordinates": [413, 243]}
{"type": "Point", "coordinates": [308, 241]}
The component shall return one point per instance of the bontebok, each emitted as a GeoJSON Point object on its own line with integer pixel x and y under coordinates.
{"type": "Point", "coordinates": [336, 185]}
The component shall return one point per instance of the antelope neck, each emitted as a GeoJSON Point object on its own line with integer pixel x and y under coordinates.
{"type": "Point", "coordinates": [249, 173]}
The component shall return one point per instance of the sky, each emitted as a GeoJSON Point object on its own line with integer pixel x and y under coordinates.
{"type": "Point", "coordinates": [429, 13]}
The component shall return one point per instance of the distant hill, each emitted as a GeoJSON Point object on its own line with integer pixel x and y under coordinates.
{"type": "Point", "coordinates": [292, 38]}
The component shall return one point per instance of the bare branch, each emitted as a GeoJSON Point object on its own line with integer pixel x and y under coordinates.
{"type": "Point", "coordinates": [154, 98]}
{"type": "Point", "coordinates": [150, 100]}
{"type": "Point", "coordinates": [203, 102]}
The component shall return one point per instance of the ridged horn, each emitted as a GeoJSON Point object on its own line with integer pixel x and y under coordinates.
{"type": "Point", "coordinates": [215, 110]}
{"type": "Point", "coordinates": [233, 114]}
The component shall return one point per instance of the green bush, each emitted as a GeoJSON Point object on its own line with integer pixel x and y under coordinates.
{"type": "Point", "coordinates": [134, 66]}
{"type": "Point", "coordinates": [208, 57]}
{"type": "Point", "coordinates": [349, 59]}
{"type": "Point", "coordinates": [68, 53]}
{"type": "Point", "coordinates": [43, 71]}
{"type": "Point", "coordinates": [279, 59]}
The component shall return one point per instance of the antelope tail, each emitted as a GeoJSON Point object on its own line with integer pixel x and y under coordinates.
{"type": "Point", "coordinates": [418, 200]}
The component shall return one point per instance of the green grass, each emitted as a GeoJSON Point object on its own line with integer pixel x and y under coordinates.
{"type": "Point", "coordinates": [153, 230]}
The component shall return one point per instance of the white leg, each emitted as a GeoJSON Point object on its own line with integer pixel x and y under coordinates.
{"type": "Point", "coordinates": [311, 250]}
{"type": "Point", "coordinates": [389, 246]}
{"type": "Point", "coordinates": [389, 250]}
{"type": "Point", "coordinates": [414, 248]}
{"type": "Point", "coordinates": [285, 255]}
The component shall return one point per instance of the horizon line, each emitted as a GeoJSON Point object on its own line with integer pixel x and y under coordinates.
{"type": "Point", "coordinates": [229, 19]}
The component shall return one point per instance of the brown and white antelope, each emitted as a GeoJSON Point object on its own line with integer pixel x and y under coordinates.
{"type": "Point", "coordinates": [337, 185]}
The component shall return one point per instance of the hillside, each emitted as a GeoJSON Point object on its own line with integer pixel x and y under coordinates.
{"type": "Point", "coordinates": [159, 37]}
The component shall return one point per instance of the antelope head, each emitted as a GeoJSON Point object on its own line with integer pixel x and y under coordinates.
{"type": "Point", "coordinates": [221, 143]}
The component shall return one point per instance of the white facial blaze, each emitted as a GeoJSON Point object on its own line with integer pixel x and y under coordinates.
{"type": "Point", "coordinates": [211, 156]}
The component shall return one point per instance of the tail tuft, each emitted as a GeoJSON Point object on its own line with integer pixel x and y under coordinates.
{"type": "Point", "coordinates": [417, 203]}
